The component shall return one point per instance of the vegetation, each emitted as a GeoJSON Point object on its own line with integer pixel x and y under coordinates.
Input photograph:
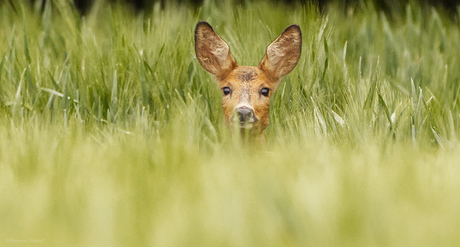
{"type": "Point", "coordinates": [111, 134]}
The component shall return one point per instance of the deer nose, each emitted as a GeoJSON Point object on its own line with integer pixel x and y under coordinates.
{"type": "Point", "coordinates": [246, 114]}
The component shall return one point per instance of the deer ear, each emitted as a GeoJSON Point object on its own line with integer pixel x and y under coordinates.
{"type": "Point", "coordinates": [212, 52]}
{"type": "Point", "coordinates": [282, 54]}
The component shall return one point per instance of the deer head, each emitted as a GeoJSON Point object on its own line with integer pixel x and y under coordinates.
{"type": "Point", "coordinates": [247, 90]}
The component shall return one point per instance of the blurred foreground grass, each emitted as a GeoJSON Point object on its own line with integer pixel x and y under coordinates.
{"type": "Point", "coordinates": [111, 134]}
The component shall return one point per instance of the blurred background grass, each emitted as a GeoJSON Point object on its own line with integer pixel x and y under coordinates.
{"type": "Point", "coordinates": [112, 134]}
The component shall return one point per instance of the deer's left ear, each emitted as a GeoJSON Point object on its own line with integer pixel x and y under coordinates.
{"type": "Point", "coordinates": [282, 54]}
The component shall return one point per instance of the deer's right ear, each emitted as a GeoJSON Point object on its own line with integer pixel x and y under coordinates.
{"type": "Point", "coordinates": [212, 52]}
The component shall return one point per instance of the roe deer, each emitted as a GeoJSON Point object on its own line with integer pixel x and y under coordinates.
{"type": "Point", "coordinates": [246, 89]}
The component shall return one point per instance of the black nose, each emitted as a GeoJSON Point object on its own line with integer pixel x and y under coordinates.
{"type": "Point", "coordinates": [246, 114]}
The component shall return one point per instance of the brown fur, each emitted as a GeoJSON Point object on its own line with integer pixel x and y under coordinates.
{"type": "Point", "coordinates": [247, 75]}
{"type": "Point", "coordinates": [246, 82]}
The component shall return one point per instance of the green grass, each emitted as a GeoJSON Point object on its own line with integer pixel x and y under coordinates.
{"type": "Point", "coordinates": [111, 133]}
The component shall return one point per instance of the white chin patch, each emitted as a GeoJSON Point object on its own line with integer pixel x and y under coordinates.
{"type": "Point", "coordinates": [246, 125]}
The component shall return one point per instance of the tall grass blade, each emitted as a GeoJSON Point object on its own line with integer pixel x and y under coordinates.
{"type": "Point", "coordinates": [373, 87]}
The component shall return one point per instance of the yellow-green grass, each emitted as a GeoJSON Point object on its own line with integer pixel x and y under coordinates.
{"type": "Point", "coordinates": [111, 134]}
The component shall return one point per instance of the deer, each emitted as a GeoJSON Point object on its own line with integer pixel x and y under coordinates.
{"type": "Point", "coordinates": [246, 90]}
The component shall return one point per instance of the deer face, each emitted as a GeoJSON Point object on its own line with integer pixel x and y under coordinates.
{"type": "Point", "coordinates": [246, 90]}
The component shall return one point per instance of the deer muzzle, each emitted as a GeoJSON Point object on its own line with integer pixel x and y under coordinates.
{"type": "Point", "coordinates": [245, 116]}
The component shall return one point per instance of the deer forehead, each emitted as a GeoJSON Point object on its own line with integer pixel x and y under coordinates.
{"type": "Point", "coordinates": [245, 78]}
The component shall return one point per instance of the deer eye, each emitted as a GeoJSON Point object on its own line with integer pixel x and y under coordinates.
{"type": "Point", "coordinates": [226, 90]}
{"type": "Point", "coordinates": [265, 91]}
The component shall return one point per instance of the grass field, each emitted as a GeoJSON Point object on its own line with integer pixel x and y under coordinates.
{"type": "Point", "coordinates": [111, 133]}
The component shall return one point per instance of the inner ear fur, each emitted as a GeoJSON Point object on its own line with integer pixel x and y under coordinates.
{"type": "Point", "coordinates": [212, 52]}
{"type": "Point", "coordinates": [283, 54]}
